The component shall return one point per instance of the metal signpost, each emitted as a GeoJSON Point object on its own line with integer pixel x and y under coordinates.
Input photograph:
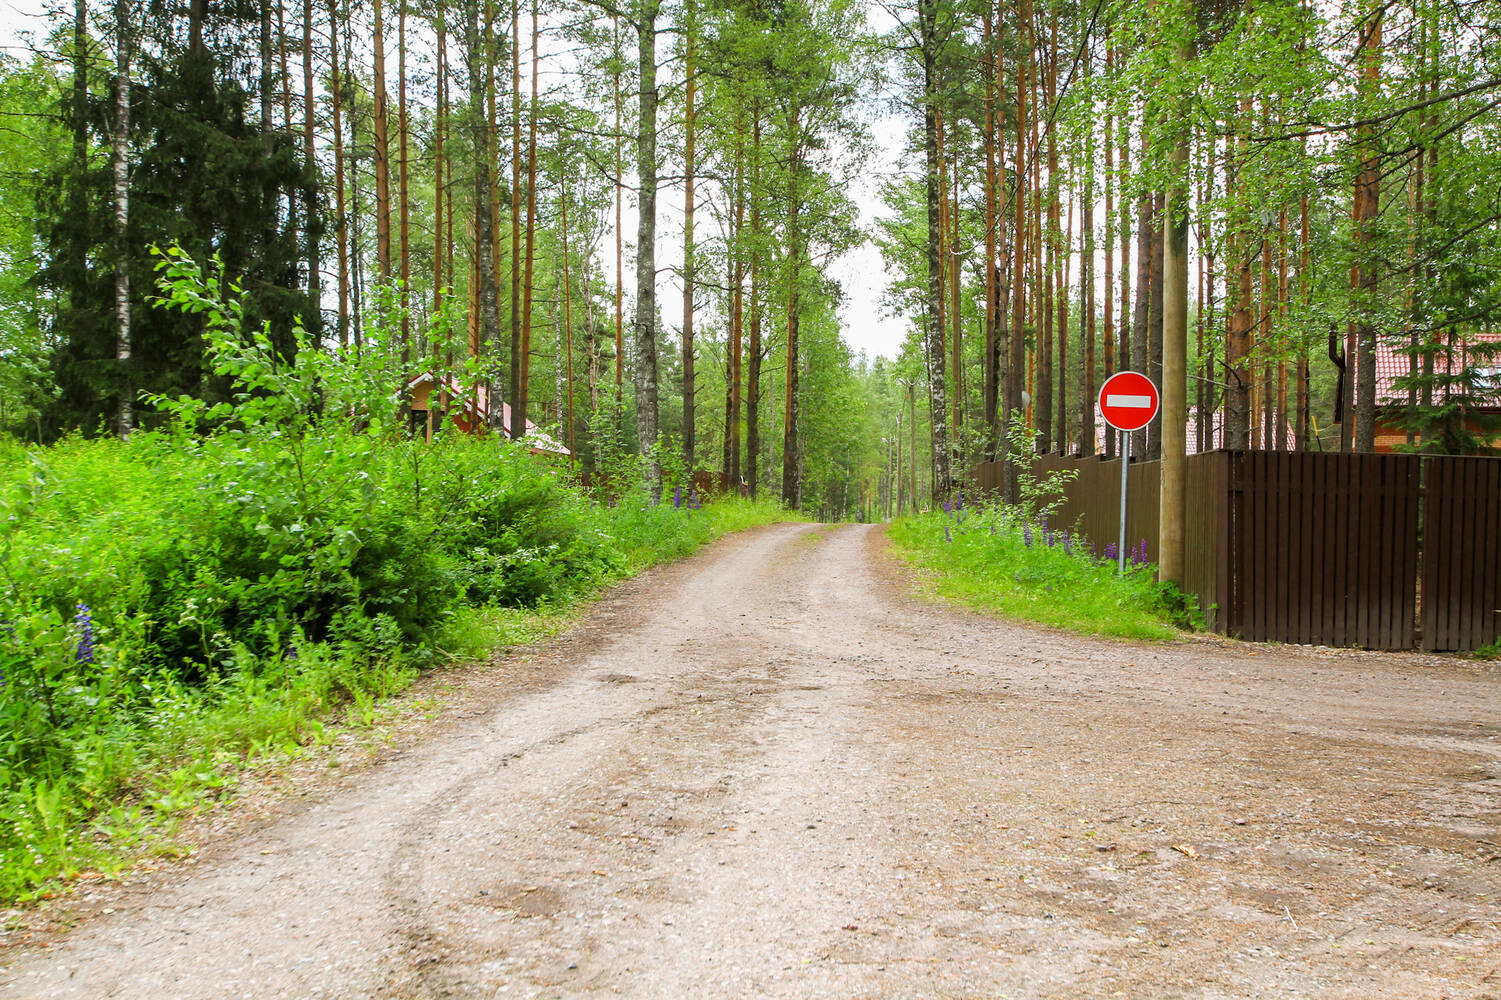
{"type": "Point", "coordinates": [1128, 402]}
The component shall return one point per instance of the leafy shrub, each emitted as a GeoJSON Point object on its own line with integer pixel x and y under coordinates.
{"type": "Point", "coordinates": [173, 602]}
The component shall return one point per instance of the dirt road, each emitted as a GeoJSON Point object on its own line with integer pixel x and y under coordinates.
{"type": "Point", "coordinates": [767, 771]}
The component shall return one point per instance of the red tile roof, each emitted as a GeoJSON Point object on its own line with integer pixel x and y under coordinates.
{"type": "Point", "coordinates": [1480, 350]}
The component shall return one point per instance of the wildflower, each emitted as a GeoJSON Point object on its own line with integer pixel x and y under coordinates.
{"type": "Point", "coordinates": [1027, 535]}
{"type": "Point", "coordinates": [948, 507]}
{"type": "Point", "coordinates": [959, 500]}
{"type": "Point", "coordinates": [946, 536]}
{"type": "Point", "coordinates": [292, 653]}
{"type": "Point", "coordinates": [1066, 542]}
{"type": "Point", "coordinates": [1112, 552]}
{"type": "Point", "coordinates": [85, 622]}
{"type": "Point", "coordinates": [677, 498]}
{"type": "Point", "coordinates": [693, 501]}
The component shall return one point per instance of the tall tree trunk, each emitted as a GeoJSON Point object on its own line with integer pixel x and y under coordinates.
{"type": "Point", "coordinates": [403, 190]}
{"type": "Point", "coordinates": [440, 128]}
{"type": "Point", "coordinates": [645, 370]}
{"type": "Point", "coordinates": [619, 239]}
{"type": "Point", "coordinates": [479, 55]}
{"type": "Point", "coordinates": [1110, 232]}
{"type": "Point", "coordinates": [753, 375]}
{"type": "Point", "coordinates": [1174, 447]}
{"type": "Point", "coordinates": [567, 305]}
{"type": "Point", "coordinates": [1146, 269]}
{"type": "Point", "coordinates": [1086, 285]}
{"type": "Point", "coordinates": [1016, 366]}
{"type": "Point", "coordinates": [689, 271]}
{"type": "Point", "coordinates": [933, 320]}
{"type": "Point", "coordinates": [1238, 295]}
{"type": "Point", "coordinates": [1363, 274]}
{"type": "Point", "coordinates": [731, 464]}
{"type": "Point", "coordinates": [521, 361]}
{"type": "Point", "coordinates": [791, 466]}
{"type": "Point", "coordinates": [382, 152]}
{"type": "Point", "coordinates": [1154, 320]}
{"type": "Point", "coordinates": [341, 220]}
{"type": "Point", "coordinates": [312, 218]}
{"type": "Point", "coordinates": [991, 399]}
{"type": "Point", "coordinates": [119, 151]}
{"type": "Point", "coordinates": [956, 325]}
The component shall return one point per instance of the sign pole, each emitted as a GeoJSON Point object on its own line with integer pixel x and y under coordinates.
{"type": "Point", "coordinates": [1120, 552]}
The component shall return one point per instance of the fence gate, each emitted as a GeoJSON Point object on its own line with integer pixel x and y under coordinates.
{"type": "Point", "coordinates": [1461, 553]}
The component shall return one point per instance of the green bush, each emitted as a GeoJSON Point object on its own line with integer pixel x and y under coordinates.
{"type": "Point", "coordinates": [173, 603]}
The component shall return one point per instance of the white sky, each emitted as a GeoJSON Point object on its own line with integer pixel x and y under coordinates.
{"type": "Point", "coordinates": [860, 271]}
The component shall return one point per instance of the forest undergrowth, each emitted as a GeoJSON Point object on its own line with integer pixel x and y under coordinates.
{"type": "Point", "coordinates": [219, 591]}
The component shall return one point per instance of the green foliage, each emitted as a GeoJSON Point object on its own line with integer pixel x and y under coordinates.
{"type": "Point", "coordinates": [993, 559]}
{"type": "Point", "coordinates": [172, 604]}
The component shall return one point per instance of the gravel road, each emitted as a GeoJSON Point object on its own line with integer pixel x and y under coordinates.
{"type": "Point", "coordinates": [770, 771]}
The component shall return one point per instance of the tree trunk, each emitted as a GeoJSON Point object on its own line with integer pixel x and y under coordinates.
{"type": "Point", "coordinates": [933, 320]}
{"type": "Point", "coordinates": [382, 152]}
{"type": "Point", "coordinates": [120, 146]}
{"type": "Point", "coordinates": [689, 275]}
{"type": "Point", "coordinates": [521, 361]}
{"type": "Point", "coordinates": [1174, 446]}
{"type": "Point", "coordinates": [487, 329]}
{"type": "Point", "coordinates": [1363, 274]}
{"type": "Point", "coordinates": [646, 237]}
{"type": "Point", "coordinates": [1086, 294]}
{"type": "Point", "coordinates": [1110, 230]}
{"type": "Point", "coordinates": [403, 190]}
{"type": "Point", "coordinates": [991, 399]}
{"type": "Point", "coordinates": [341, 221]}
{"type": "Point", "coordinates": [1016, 367]}
{"type": "Point", "coordinates": [791, 467]}
{"type": "Point", "coordinates": [753, 376]}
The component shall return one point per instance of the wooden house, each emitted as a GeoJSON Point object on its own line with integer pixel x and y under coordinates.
{"type": "Point", "coordinates": [1466, 369]}
{"type": "Point", "coordinates": [439, 403]}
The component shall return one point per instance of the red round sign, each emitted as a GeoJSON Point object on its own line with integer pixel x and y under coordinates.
{"type": "Point", "coordinates": [1128, 401]}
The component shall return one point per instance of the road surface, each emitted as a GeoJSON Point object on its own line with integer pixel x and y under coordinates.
{"type": "Point", "coordinates": [770, 771]}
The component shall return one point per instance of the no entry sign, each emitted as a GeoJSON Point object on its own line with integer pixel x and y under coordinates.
{"type": "Point", "coordinates": [1128, 401]}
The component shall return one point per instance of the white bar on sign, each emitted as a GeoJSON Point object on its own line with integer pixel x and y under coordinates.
{"type": "Point", "coordinates": [1134, 402]}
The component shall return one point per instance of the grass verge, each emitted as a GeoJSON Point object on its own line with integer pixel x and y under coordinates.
{"type": "Point", "coordinates": [991, 559]}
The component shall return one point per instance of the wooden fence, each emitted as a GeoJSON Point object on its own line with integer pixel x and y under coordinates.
{"type": "Point", "coordinates": [1379, 551]}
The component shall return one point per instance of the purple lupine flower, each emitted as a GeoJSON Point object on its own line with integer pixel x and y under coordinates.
{"type": "Point", "coordinates": [1027, 535]}
{"type": "Point", "coordinates": [693, 501]}
{"type": "Point", "coordinates": [292, 652]}
{"type": "Point", "coordinates": [1143, 552]}
{"type": "Point", "coordinates": [1066, 545]}
{"type": "Point", "coordinates": [1112, 552]}
{"type": "Point", "coordinates": [677, 498]}
{"type": "Point", "coordinates": [85, 622]}
{"type": "Point", "coordinates": [946, 536]}
{"type": "Point", "coordinates": [948, 507]}
{"type": "Point", "coordinates": [959, 500]}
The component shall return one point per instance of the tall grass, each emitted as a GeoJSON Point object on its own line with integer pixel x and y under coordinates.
{"type": "Point", "coordinates": [993, 559]}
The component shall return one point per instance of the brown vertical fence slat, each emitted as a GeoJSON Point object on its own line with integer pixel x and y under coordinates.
{"type": "Point", "coordinates": [1461, 553]}
{"type": "Point", "coordinates": [1315, 547]}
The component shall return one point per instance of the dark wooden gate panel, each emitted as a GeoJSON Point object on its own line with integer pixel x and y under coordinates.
{"type": "Point", "coordinates": [1327, 548]}
{"type": "Point", "coordinates": [1461, 591]}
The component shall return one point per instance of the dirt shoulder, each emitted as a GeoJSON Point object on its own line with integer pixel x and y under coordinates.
{"type": "Point", "coordinates": [769, 771]}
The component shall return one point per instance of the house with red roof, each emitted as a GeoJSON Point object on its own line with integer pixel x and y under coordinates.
{"type": "Point", "coordinates": [439, 400]}
{"type": "Point", "coordinates": [1466, 372]}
